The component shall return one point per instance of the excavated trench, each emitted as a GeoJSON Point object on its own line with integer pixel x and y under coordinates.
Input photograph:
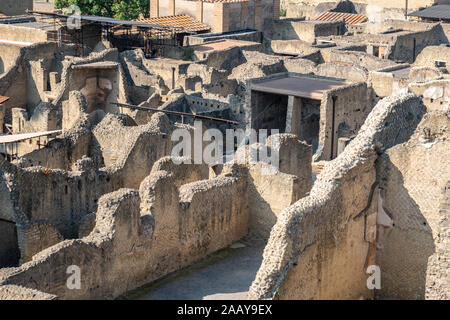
{"type": "Point", "coordinates": [224, 275]}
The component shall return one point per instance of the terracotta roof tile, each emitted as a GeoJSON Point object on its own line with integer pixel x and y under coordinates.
{"type": "Point", "coordinates": [183, 21]}
{"type": "Point", "coordinates": [3, 99]}
{"type": "Point", "coordinates": [349, 18]}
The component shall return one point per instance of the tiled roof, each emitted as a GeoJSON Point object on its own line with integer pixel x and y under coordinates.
{"type": "Point", "coordinates": [349, 18]}
{"type": "Point", "coordinates": [441, 11]}
{"type": "Point", "coordinates": [3, 99]}
{"type": "Point", "coordinates": [182, 21]}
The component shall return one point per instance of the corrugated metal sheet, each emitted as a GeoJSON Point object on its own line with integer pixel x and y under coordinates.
{"type": "Point", "coordinates": [25, 136]}
{"type": "Point", "coordinates": [180, 21]}
{"type": "Point", "coordinates": [441, 11]}
{"type": "Point", "coordinates": [349, 18]}
{"type": "Point", "coordinates": [105, 20]}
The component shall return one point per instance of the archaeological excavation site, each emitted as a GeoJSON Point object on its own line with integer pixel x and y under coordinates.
{"type": "Point", "coordinates": [225, 150]}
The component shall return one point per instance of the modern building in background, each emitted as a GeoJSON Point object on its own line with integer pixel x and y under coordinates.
{"type": "Point", "coordinates": [222, 15]}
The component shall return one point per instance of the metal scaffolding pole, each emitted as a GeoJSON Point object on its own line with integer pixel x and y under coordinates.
{"type": "Point", "coordinates": [177, 113]}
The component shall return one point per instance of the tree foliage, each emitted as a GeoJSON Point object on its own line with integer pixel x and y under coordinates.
{"type": "Point", "coordinates": [119, 9]}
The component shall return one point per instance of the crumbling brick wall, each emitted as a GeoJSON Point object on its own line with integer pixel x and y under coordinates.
{"type": "Point", "coordinates": [11, 292]}
{"type": "Point", "coordinates": [126, 240]}
{"type": "Point", "coordinates": [435, 93]}
{"type": "Point", "coordinates": [409, 46]}
{"type": "Point", "coordinates": [35, 237]}
{"type": "Point", "coordinates": [8, 56]}
{"type": "Point", "coordinates": [18, 82]}
{"type": "Point", "coordinates": [431, 54]}
{"type": "Point", "coordinates": [62, 196]}
{"type": "Point", "coordinates": [178, 217]}
{"type": "Point", "coordinates": [342, 112]}
{"type": "Point", "coordinates": [295, 29]}
{"type": "Point", "coordinates": [9, 250]}
{"type": "Point", "coordinates": [269, 192]}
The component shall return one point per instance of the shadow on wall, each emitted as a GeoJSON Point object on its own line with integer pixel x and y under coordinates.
{"type": "Point", "coordinates": [403, 257]}
{"type": "Point", "coordinates": [286, 32]}
{"type": "Point", "coordinates": [33, 94]}
{"type": "Point", "coordinates": [442, 34]}
{"type": "Point", "coordinates": [9, 249]}
{"type": "Point", "coordinates": [418, 48]}
{"type": "Point", "coordinates": [262, 223]}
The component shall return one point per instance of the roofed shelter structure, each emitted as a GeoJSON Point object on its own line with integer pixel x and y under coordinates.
{"type": "Point", "coordinates": [319, 110]}
{"type": "Point", "coordinates": [440, 12]}
{"type": "Point", "coordinates": [9, 143]}
{"type": "Point", "coordinates": [87, 31]}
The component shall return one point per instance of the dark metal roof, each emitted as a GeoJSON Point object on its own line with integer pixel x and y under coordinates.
{"type": "Point", "coordinates": [304, 87]}
{"type": "Point", "coordinates": [107, 21]}
{"type": "Point", "coordinates": [441, 11]}
{"type": "Point", "coordinates": [178, 113]}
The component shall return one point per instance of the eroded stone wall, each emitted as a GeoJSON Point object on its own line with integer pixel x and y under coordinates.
{"type": "Point", "coordinates": [322, 235]}
{"type": "Point", "coordinates": [413, 259]}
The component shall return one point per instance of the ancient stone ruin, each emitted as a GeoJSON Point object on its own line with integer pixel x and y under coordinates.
{"type": "Point", "coordinates": [303, 147]}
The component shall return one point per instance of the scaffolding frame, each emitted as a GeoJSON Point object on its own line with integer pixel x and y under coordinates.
{"type": "Point", "coordinates": [125, 35]}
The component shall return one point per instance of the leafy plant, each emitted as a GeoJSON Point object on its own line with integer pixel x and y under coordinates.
{"type": "Point", "coordinates": [119, 9]}
{"type": "Point", "coordinates": [283, 12]}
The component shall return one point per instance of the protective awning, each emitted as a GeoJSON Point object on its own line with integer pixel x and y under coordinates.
{"type": "Point", "coordinates": [13, 138]}
{"type": "Point", "coordinates": [441, 11]}
{"type": "Point", "coordinates": [303, 87]}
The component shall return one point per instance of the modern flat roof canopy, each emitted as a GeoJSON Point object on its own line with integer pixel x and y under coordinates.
{"type": "Point", "coordinates": [13, 138]}
{"type": "Point", "coordinates": [441, 11]}
{"type": "Point", "coordinates": [302, 87]}
{"type": "Point", "coordinates": [97, 65]}
{"type": "Point", "coordinates": [105, 21]}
